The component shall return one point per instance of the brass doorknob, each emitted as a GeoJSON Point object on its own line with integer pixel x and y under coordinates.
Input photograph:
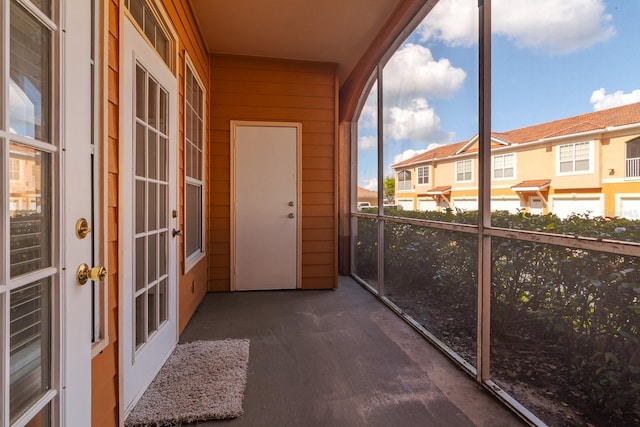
{"type": "Point", "coordinates": [84, 273]}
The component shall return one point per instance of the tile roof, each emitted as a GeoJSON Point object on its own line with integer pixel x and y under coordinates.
{"type": "Point", "coordinates": [439, 190]}
{"type": "Point", "coordinates": [613, 117]}
{"type": "Point", "coordinates": [536, 184]}
{"type": "Point", "coordinates": [363, 192]}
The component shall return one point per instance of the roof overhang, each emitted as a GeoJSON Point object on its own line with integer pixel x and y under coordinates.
{"type": "Point", "coordinates": [532, 186]}
{"type": "Point", "coordinates": [439, 191]}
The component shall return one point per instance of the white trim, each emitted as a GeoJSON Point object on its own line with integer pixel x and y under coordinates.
{"type": "Point", "coordinates": [574, 172]}
{"type": "Point", "coordinates": [192, 260]}
{"type": "Point", "coordinates": [134, 49]}
{"type": "Point", "coordinates": [493, 167]}
{"type": "Point", "coordinates": [428, 169]}
{"type": "Point", "coordinates": [101, 84]}
{"type": "Point", "coordinates": [455, 171]}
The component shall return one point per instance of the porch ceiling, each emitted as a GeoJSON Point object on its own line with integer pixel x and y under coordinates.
{"type": "Point", "coordinates": [337, 31]}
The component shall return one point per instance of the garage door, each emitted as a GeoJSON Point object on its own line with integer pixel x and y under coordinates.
{"type": "Point", "coordinates": [510, 205]}
{"type": "Point", "coordinates": [406, 204]}
{"type": "Point", "coordinates": [565, 207]}
{"type": "Point", "coordinates": [427, 205]}
{"type": "Point", "coordinates": [629, 207]}
{"type": "Point", "coordinates": [465, 204]}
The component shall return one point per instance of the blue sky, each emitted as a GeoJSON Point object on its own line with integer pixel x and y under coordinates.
{"type": "Point", "coordinates": [550, 59]}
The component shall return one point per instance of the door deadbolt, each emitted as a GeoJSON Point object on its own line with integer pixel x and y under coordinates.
{"type": "Point", "coordinates": [82, 228]}
{"type": "Point", "coordinates": [84, 273]}
{"type": "Point", "coordinates": [291, 203]}
{"type": "Point", "coordinates": [291, 215]}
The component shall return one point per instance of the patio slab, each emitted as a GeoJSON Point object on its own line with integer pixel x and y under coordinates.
{"type": "Point", "coordinates": [340, 358]}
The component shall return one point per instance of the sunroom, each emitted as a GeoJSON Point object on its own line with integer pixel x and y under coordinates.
{"type": "Point", "coordinates": [161, 156]}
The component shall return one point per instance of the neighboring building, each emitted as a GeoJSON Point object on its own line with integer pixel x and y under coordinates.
{"type": "Point", "coordinates": [367, 196]}
{"type": "Point", "coordinates": [587, 163]}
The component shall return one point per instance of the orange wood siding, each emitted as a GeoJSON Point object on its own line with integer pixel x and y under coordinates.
{"type": "Point", "coordinates": [104, 369]}
{"type": "Point", "coordinates": [256, 89]}
{"type": "Point", "coordinates": [105, 410]}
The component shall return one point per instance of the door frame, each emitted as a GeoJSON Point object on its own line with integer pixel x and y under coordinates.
{"type": "Point", "coordinates": [298, 209]}
{"type": "Point", "coordinates": [129, 30]}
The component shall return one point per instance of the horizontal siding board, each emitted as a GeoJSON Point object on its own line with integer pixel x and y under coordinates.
{"type": "Point", "coordinates": [287, 88]}
{"type": "Point", "coordinates": [318, 199]}
{"type": "Point", "coordinates": [318, 186]}
{"type": "Point", "coordinates": [316, 163]}
{"type": "Point", "coordinates": [269, 113]}
{"type": "Point", "coordinates": [265, 100]}
{"type": "Point", "coordinates": [315, 222]}
{"type": "Point", "coordinates": [319, 246]}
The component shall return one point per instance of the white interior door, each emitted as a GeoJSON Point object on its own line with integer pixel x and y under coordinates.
{"type": "Point", "coordinates": [266, 207]}
{"type": "Point", "coordinates": [45, 314]}
{"type": "Point", "coordinates": [148, 198]}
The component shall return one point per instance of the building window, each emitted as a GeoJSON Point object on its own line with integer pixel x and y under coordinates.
{"type": "Point", "coordinates": [194, 164]}
{"type": "Point", "coordinates": [574, 158]}
{"type": "Point", "coordinates": [504, 166]}
{"type": "Point", "coordinates": [423, 175]}
{"type": "Point", "coordinates": [14, 169]}
{"type": "Point", "coordinates": [632, 169]}
{"type": "Point", "coordinates": [464, 170]}
{"type": "Point", "coordinates": [404, 181]}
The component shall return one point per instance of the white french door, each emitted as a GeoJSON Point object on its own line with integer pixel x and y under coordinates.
{"type": "Point", "coordinates": [147, 206]}
{"type": "Point", "coordinates": [45, 143]}
{"type": "Point", "coordinates": [266, 200]}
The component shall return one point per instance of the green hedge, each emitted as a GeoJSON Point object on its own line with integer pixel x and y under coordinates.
{"type": "Point", "coordinates": [586, 303]}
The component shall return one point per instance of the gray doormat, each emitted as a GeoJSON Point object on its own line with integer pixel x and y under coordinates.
{"type": "Point", "coordinates": [201, 380]}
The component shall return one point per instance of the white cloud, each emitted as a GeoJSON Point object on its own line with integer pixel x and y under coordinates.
{"type": "Point", "coordinates": [369, 183]}
{"type": "Point", "coordinates": [368, 143]}
{"type": "Point", "coordinates": [412, 72]}
{"type": "Point", "coordinates": [416, 122]}
{"type": "Point", "coordinates": [549, 26]}
{"type": "Point", "coordinates": [601, 100]}
{"type": "Point", "coordinates": [406, 154]}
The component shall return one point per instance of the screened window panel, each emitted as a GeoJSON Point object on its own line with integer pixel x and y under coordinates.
{"type": "Point", "coordinates": [29, 70]}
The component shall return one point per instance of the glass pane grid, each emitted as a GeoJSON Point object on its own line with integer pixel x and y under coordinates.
{"type": "Point", "coordinates": [30, 345]}
{"type": "Point", "coordinates": [151, 209]}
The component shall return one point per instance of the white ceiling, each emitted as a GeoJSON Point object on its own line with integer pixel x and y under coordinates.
{"type": "Point", "coordinates": [336, 31]}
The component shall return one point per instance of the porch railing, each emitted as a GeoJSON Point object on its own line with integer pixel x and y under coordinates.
{"type": "Point", "coordinates": [633, 168]}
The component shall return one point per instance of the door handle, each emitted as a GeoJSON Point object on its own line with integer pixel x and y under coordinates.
{"type": "Point", "coordinates": [176, 232]}
{"type": "Point", "coordinates": [291, 215]}
{"type": "Point", "coordinates": [84, 273]}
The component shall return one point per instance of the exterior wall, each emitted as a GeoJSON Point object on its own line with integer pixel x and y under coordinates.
{"type": "Point", "coordinates": [105, 377]}
{"type": "Point", "coordinates": [606, 182]}
{"type": "Point", "coordinates": [254, 89]}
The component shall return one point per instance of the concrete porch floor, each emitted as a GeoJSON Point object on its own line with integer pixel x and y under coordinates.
{"type": "Point", "coordinates": [339, 358]}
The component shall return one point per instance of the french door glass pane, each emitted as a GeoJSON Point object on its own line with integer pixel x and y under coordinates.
{"type": "Point", "coordinates": [30, 345]}
{"type": "Point", "coordinates": [152, 153]}
{"type": "Point", "coordinates": [151, 208]}
{"type": "Point", "coordinates": [29, 84]}
{"type": "Point", "coordinates": [29, 210]}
